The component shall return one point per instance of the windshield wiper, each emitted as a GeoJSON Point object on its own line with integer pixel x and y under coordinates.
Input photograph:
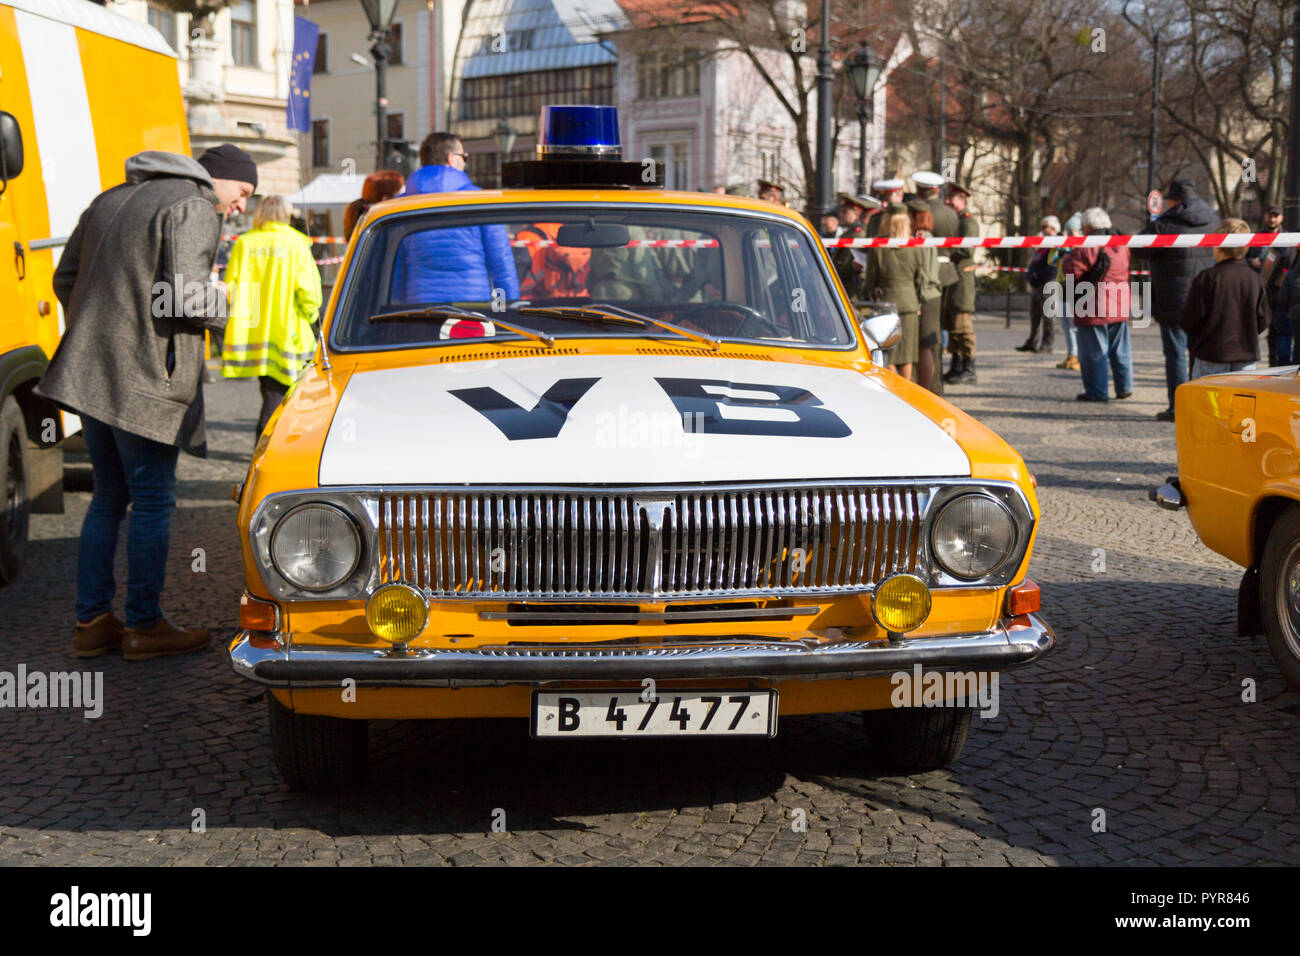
{"type": "Point", "coordinates": [455, 312]}
{"type": "Point", "coordinates": [604, 312]}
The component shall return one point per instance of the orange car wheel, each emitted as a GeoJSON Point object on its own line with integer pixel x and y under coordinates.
{"type": "Point", "coordinates": [1279, 574]}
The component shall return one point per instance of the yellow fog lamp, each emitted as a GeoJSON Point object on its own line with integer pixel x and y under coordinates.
{"type": "Point", "coordinates": [901, 603]}
{"type": "Point", "coordinates": [396, 613]}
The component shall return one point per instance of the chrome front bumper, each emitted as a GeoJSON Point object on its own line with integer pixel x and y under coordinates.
{"type": "Point", "coordinates": [1015, 641]}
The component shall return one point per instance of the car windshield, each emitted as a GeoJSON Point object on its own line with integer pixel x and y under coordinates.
{"type": "Point", "coordinates": [438, 276]}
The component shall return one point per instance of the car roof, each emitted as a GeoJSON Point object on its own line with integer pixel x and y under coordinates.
{"type": "Point", "coordinates": [542, 197]}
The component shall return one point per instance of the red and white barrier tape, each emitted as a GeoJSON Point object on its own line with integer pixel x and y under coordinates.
{"type": "Point", "coordinates": [1180, 241]}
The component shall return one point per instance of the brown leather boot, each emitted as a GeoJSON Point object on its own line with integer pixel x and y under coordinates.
{"type": "Point", "coordinates": [162, 640]}
{"type": "Point", "coordinates": [98, 636]}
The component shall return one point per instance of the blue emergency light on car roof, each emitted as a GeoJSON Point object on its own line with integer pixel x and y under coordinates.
{"type": "Point", "coordinates": [578, 148]}
{"type": "Point", "coordinates": [574, 131]}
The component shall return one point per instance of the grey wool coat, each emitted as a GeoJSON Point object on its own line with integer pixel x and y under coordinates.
{"type": "Point", "coordinates": [134, 282]}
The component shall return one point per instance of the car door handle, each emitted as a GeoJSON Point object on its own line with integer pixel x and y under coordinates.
{"type": "Point", "coordinates": [20, 260]}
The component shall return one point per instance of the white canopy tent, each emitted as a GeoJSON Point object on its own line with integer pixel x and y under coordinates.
{"type": "Point", "coordinates": [328, 191]}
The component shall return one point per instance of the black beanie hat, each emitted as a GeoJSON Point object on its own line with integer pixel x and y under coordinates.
{"type": "Point", "coordinates": [229, 162]}
{"type": "Point", "coordinates": [1181, 189]}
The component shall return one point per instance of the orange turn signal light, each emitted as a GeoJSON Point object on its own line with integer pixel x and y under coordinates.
{"type": "Point", "coordinates": [258, 615]}
{"type": "Point", "coordinates": [1024, 599]}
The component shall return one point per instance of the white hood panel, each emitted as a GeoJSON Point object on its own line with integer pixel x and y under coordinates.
{"type": "Point", "coordinates": [612, 420]}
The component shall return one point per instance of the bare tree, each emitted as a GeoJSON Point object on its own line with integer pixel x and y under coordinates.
{"type": "Point", "coordinates": [780, 39]}
{"type": "Point", "coordinates": [1227, 76]}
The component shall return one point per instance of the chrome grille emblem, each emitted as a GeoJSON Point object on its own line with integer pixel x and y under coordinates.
{"type": "Point", "coordinates": [657, 511]}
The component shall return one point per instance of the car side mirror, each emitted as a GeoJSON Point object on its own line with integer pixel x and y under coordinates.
{"type": "Point", "coordinates": [11, 147]}
{"type": "Point", "coordinates": [884, 329]}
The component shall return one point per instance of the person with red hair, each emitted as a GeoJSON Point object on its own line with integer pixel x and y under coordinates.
{"type": "Point", "coordinates": [379, 186]}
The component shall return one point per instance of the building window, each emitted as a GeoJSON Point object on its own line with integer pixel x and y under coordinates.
{"type": "Point", "coordinates": [243, 33]}
{"type": "Point", "coordinates": [523, 94]}
{"type": "Point", "coordinates": [661, 74]}
{"type": "Point", "coordinates": [395, 45]}
{"type": "Point", "coordinates": [484, 169]}
{"type": "Point", "coordinates": [320, 142]}
{"type": "Point", "coordinates": [396, 125]}
{"type": "Point", "coordinates": [164, 21]}
{"type": "Point", "coordinates": [675, 158]}
{"type": "Point", "coordinates": [322, 62]}
{"type": "Point", "coordinates": [770, 163]}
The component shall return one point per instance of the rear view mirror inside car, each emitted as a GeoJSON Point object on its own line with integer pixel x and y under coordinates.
{"type": "Point", "coordinates": [593, 235]}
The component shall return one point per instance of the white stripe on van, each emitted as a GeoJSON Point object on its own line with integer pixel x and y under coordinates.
{"type": "Point", "coordinates": [65, 135]}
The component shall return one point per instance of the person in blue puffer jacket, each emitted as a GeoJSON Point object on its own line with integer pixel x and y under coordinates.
{"type": "Point", "coordinates": [463, 264]}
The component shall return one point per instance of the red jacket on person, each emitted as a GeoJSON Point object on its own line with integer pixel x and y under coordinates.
{"type": "Point", "coordinates": [1109, 301]}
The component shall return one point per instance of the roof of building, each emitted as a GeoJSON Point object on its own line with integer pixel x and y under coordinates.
{"type": "Point", "coordinates": [539, 35]}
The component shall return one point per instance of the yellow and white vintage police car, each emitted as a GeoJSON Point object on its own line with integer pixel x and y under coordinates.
{"type": "Point", "coordinates": [617, 461]}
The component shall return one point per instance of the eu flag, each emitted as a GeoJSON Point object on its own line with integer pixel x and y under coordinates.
{"type": "Point", "coordinates": [298, 107]}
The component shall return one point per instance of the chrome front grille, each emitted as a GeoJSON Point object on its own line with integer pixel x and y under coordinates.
{"type": "Point", "coordinates": [647, 544]}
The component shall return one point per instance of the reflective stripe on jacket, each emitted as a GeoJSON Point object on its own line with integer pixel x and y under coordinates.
{"type": "Point", "coordinates": [274, 296]}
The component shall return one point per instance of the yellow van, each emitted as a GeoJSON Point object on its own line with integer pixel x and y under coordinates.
{"type": "Point", "coordinates": [81, 89]}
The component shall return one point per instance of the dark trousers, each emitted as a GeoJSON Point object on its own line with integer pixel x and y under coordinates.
{"type": "Point", "coordinates": [130, 470]}
{"type": "Point", "coordinates": [1174, 341]}
{"type": "Point", "coordinates": [1038, 321]}
{"type": "Point", "coordinates": [1280, 340]}
{"type": "Point", "coordinates": [273, 393]}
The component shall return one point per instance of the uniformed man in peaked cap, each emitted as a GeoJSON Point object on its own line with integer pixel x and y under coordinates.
{"type": "Point", "coordinates": [885, 191]}
{"type": "Point", "coordinates": [770, 191]}
{"type": "Point", "coordinates": [959, 305]}
{"type": "Point", "coordinates": [850, 262]}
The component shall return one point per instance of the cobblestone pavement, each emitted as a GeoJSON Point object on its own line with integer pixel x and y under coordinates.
{"type": "Point", "coordinates": [1138, 713]}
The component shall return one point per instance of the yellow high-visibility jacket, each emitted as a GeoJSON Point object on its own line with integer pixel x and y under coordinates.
{"type": "Point", "coordinates": [274, 289]}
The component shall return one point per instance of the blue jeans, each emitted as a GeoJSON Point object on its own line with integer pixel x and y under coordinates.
{"type": "Point", "coordinates": [1281, 344]}
{"type": "Point", "coordinates": [1201, 367]}
{"type": "Point", "coordinates": [1100, 345]}
{"type": "Point", "coordinates": [1071, 335]}
{"type": "Point", "coordinates": [141, 472]}
{"type": "Point", "coordinates": [1174, 341]}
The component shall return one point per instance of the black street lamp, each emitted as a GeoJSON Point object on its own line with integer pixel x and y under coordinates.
{"type": "Point", "coordinates": [825, 76]}
{"type": "Point", "coordinates": [380, 14]}
{"type": "Point", "coordinates": [864, 69]}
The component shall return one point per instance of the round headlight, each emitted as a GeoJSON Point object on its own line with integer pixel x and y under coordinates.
{"type": "Point", "coordinates": [973, 536]}
{"type": "Point", "coordinates": [901, 603]}
{"type": "Point", "coordinates": [316, 547]}
{"type": "Point", "coordinates": [396, 613]}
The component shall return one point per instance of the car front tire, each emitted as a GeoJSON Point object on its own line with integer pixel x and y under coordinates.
{"type": "Point", "coordinates": [1279, 574]}
{"type": "Point", "coordinates": [316, 753]}
{"type": "Point", "coordinates": [918, 738]}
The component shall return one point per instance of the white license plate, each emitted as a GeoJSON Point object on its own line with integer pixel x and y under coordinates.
{"type": "Point", "coordinates": [618, 713]}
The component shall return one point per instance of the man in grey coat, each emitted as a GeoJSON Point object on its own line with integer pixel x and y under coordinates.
{"type": "Point", "coordinates": [135, 284]}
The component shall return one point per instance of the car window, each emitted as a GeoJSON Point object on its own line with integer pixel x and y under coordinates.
{"type": "Point", "coordinates": [725, 275]}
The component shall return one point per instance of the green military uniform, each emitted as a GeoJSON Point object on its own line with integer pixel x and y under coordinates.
{"type": "Point", "coordinates": [899, 274]}
{"type": "Point", "coordinates": [846, 265]}
{"type": "Point", "coordinates": [959, 308]}
{"type": "Point", "coordinates": [945, 225]}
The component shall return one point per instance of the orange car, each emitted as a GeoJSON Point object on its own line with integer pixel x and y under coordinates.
{"type": "Point", "coordinates": [639, 512]}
